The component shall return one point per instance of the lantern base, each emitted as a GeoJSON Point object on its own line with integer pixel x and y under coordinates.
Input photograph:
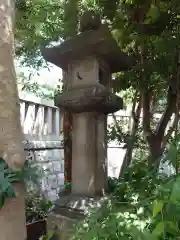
{"type": "Point", "coordinates": [68, 211]}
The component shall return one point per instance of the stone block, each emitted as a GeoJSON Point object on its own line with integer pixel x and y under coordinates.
{"type": "Point", "coordinates": [52, 181]}
{"type": "Point", "coordinates": [62, 166]}
{"type": "Point", "coordinates": [60, 179]}
{"type": "Point", "coordinates": [57, 154]}
{"type": "Point", "coordinates": [68, 211]}
{"type": "Point", "coordinates": [57, 166]}
{"type": "Point", "coordinates": [48, 167]}
{"type": "Point", "coordinates": [60, 225]}
{"type": "Point", "coordinates": [90, 98]}
{"type": "Point", "coordinates": [42, 156]}
{"type": "Point", "coordinates": [52, 195]}
{"type": "Point", "coordinates": [30, 156]}
{"type": "Point", "coordinates": [44, 184]}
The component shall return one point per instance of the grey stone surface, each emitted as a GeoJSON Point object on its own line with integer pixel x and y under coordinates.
{"type": "Point", "coordinates": [78, 203]}
{"type": "Point", "coordinates": [51, 163]}
{"type": "Point", "coordinates": [99, 43]}
{"type": "Point", "coordinates": [89, 98]}
{"type": "Point", "coordinates": [57, 167]}
{"type": "Point", "coordinates": [40, 145]}
{"type": "Point", "coordinates": [68, 210]}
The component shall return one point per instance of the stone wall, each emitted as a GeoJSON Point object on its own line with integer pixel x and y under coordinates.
{"type": "Point", "coordinates": [41, 124]}
{"type": "Point", "coordinates": [48, 156]}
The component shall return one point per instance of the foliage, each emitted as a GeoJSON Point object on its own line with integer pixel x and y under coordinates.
{"type": "Point", "coordinates": [37, 206]}
{"type": "Point", "coordinates": [146, 30]}
{"type": "Point", "coordinates": [67, 185]}
{"type": "Point", "coordinates": [8, 177]}
{"type": "Point", "coordinates": [139, 29]}
{"type": "Point", "coordinates": [142, 205]}
{"type": "Point", "coordinates": [38, 22]}
{"type": "Point", "coordinates": [43, 91]}
{"type": "Point", "coordinates": [49, 236]}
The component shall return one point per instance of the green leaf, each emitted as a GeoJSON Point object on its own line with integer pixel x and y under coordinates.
{"type": "Point", "coordinates": [2, 200]}
{"type": "Point", "coordinates": [150, 236]}
{"type": "Point", "coordinates": [175, 193]}
{"type": "Point", "coordinates": [42, 238]}
{"type": "Point", "coordinates": [173, 226]}
{"type": "Point", "coordinates": [159, 228]}
{"type": "Point", "coordinates": [9, 176]}
{"type": "Point", "coordinates": [153, 14]}
{"type": "Point", "coordinates": [172, 155]}
{"type": "Point", "coordinates": [10, 193]}
{"type": "Point", "coordinates": [15, 176]}
{"type": "Point", "coordinates": [50, 235]}
{"type": "Point", "coordinates": [4, 185]}
{"type": "Point", "coordinates": [2, 165]}
{"type": "Point", "coordinates": [157, 207]}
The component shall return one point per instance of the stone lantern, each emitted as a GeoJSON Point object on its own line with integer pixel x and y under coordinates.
{"type": "Point", "coordinates": [89, 59]}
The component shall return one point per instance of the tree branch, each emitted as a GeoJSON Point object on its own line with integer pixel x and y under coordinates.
{"type": "Point", "coordinates": [170, 131]}
{"type": "Point", "coordinates": [115, 120]}
{"type": "Point", "coordinates": [146, 113]}
{"type": "Point", "coordinates": [172, 101]}
{"type": "Point", "coordinates": [136, 113]}
{"type": "Point", "coordinates": [170, 109]}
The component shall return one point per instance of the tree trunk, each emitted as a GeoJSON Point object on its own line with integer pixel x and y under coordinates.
{"type": "Point", "coordinates": [12, 215]}
{"type": "Point", "coordinates": [70, 14]}
{"type": "Point", "coordinates": [67, 128]}
{"type": "Point", "coordinates": [157, 139]}
{"type": "Point", "coordinates": [135, 116]}
{"type": "Point", "coordinates": [156, 151]}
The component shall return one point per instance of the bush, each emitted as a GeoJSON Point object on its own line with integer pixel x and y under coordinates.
{"type": "Point", "coordinates": [142, 205]}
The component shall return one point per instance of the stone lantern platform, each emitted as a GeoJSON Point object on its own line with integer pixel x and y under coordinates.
{"type": "Point", "coordinates": [89, 59]}
{"type": "Point", "coordinates": [89, 98]}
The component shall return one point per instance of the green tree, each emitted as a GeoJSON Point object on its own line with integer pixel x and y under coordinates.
{"type": "Point", "coordinates": [148, 30]}
{"type": "Point", "coordinates": [29, 85]}
{"type": "Point", "coordinates": [38, 22]}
